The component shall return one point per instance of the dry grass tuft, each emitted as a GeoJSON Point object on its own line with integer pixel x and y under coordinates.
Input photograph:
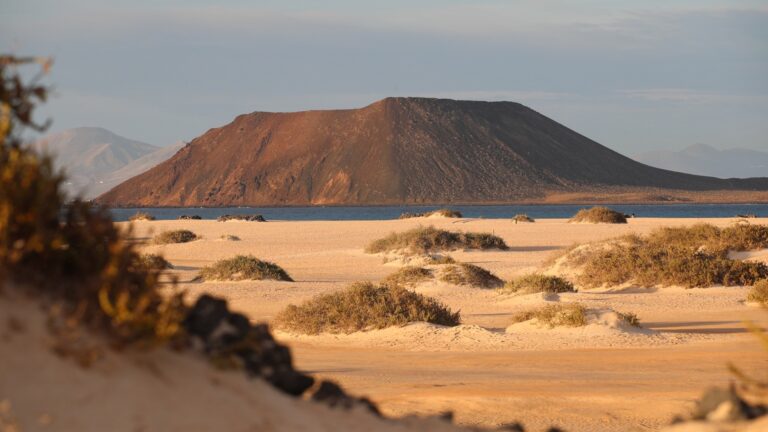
{"type": "Point", "coordinates": [444, 212]}
{"type": "Point", "coordinates": [599, 215]}
{"type": "Point", "coordinates": [364, 306]}
{"type": "Point", "coordinates": [536, 283]}
{"type": "Point", "coordinates": [154, 261]}
{"type": "Point", "coordinates": [175, 236]}
{"type": "Point", "coordinates": [470, 274]}
{"type": "Point", "coordinates": [523, 218]}
{"type": "Point", "coordinates": [555, 315]}
{"type": "Point", "coordinates": [229, 237]}
{"type": "Point", "coordinates": [440, 259]}
{"type": "Point", "coordinates": [423, 240]}
{"type": "Point", "coordinates": [141, 216]}
{"type": "Point", "coordinates": [409, 275]}
{"type": "Point", "coordinates": [243, 267]}
{"type": "Point", "coordinates": [759, 293]}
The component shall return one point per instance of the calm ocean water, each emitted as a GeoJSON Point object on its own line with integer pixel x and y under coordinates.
{"type": "Point", "coordinates": [488, 212]}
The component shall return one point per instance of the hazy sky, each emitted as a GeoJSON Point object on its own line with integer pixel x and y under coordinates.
{"type": "Point", "coordinates": [633, 75]}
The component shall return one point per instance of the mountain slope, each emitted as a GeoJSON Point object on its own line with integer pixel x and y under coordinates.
{"type": "Point", "coordinates": [705, 160]}
{"type": "Point", "coordinates": [397, 150]}
{"type": "Point", "coordinates": [96, 159]}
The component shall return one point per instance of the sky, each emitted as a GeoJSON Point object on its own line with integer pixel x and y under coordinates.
{"type": "Point", "coordinates": [632, 75]}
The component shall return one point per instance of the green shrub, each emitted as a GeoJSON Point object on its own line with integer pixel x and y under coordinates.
{"type": "Point", "coordinates": [470, 274]}
{"type": "Point", "coordinates": [154, 261]}
{"type": "Point", "coordinates": [243, 267]}
{"type": "Point", "coordinates": [140, 215]}
{"type": "Point", "coordinates": [536, 283]}
{"type": "Point", "coordinates": [444, 212]}
{"type": "Point", "coordinates": [522, 218]}
{"type": "Point", "coordinates": [759, 293]}
{"type": "Point", "coordinates": [364, 306]}
{"type": "Point", "coordinates": [423, 240]}
{"type": "Point", "coordinates": [176, 236]}
{"type": "Point", "coordinates": [408, 275]}
{"type": "Point", "coordinates": [555, 315]}
{"type": "Point", "coordinates": [599, 215]}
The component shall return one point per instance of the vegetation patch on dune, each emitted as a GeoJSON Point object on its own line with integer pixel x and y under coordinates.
{"type": "Point", "coordinates": [567, 315]}
{"type": "Point", "coordinates": [409, 275]}
{"type": "Point", "coordinates": [759, 293]}
{"type": "Point", "coordinates": [470, 274]}
{"type": "Point", "coordinates": [695, 256]}
{"type": "Point", "coordinates": [242, 217]}
{"type": "Point", "coordinates": [154, 262]}
{"type": "Point", "coordinates": [424, 240]}
{"type": "Point", "coordinates": [364, 306]}
{"type": "Point", "coordinates": [524, 218]}
{"type": "Point", "coordinates": [175, 236]}
{"type": "Point", "coordinates": [190, 217]}
{"type": "Point", "coordinates": [599, 215]}
{"type": "Point", "coordinates": [444, 212]}
{"type": "Point", "coordinates": [229, 237]}
{"type": "Point", "coordinates": [536, 283]}
{"type": "Point", "coordinates": [244, 267]}
{"type": "Point", "coordinates": [141, 216]}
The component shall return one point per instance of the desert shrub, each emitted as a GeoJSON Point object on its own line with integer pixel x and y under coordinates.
{"type": "Point", "coordinates": [190, 217]}
{"type": "Point", "coordinates": [444, 212]}
{"type": "Point", "coordinates": [599, 215]}
{"type": "Point", "coordinates": [659, 259]}
{"type": "Point", "coordinates": [408, 275]}
{"type": "Point", "coordinates": [440, 259]}
{"type": "Point", "coordinates": [555, 315]}
{"type": "Point", "coordinates": [175, 236]}
{"type": "Point", "coordinates": [523, 218]}
{"type": "Point", "coordinates": [140, 216]}
{"type": "Point", "coordinates": [242, 217]}
{"type": "Point", "coordinates": [244, 267]}
{"type": "Point", "coordinates": [154, 261]}
{"type": "Point", "coordinates": [629, 318]}
{"type": "Point", "coordinates": [364, 306]}
{"type": "Point", "coordinates": [759, 293]}
{"type": "Point", "coordinates": [229, 237]}
{"type": "Point", "coordinates": [470, 274]}
{"type": "Point", "coordinates": [536, 283]}
{"type": "Point", "coordinates": [423, 240]}
{"type": "Point", "coordinates": [73, 255]}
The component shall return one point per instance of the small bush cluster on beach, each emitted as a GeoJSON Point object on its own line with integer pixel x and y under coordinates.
{"type": "Point", "coordinates": [523, 218]}
{"type": "Point", "coordinates": [423, 240]}
{"type": "Point", "coordinates": [364, 306]}
{"type": "Point", "coordinates": [470, 274]}
{"type": "Point", "coordinates": [229, 237]}
{"type": "Point", "coordinates": [190, 217]}
{"type": "Point", "coordinates": [555, 315]}
{"type": "Point", "coordinates": [536, 283]}
{"type": "Point", "coordinates": [444, 212]}
{"type": "Point", "coordinates": [175, 236]}
{"type": "Point", "coordinates": [244, 267]}
{"type": "Point", "coordinates": [242, 217]}
{"type": "Point", "coordinates": [599, 215]}
{"type": "Point", "coordinates": [759, 293]}
{"type": "Point", "coordinates": [408, 275]}
{"type": "Point", "coordinates": [695, 256]}
{"type": "Point", "coordinates": [141, 216]}
{"type": "Point", "coordinates": [154, 261]}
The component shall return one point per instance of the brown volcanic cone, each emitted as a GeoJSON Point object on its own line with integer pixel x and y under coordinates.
{"type": "Point", "coordinates": [397, 150]}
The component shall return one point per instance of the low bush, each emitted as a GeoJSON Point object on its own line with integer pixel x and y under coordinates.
{"type": "Point", "coordinates": [759, 293]}
{"type": "Point", "coordinates": [175, 236]}
{"type": "Point", "coordinates": [523, 218]}
{"type": "Point", "coordinates": [440, 260]}
{"type": "Point", "coordinates": [470, 274]}
{"type": "Point", "coordinates": [555, 315]}
{"type": "Point", "coordinates": [243, 267]}
{"type": "Point", "coordinates": [154, 261]}
{"type": "Point", "coordinates": [409, 275]}
{"type": "Point", "coordinates": [364, 306]}
{"type": "Point", "coordinates": [229, 237]}
{"type": "Point", "coordinates": [536, 283]}
{"type": "Point", "coordinates": [141, 216]}
{"type": "Point", "coordinates": [190, 217]}
{"type": "Point", "coordinates": [423, 240]}
{"type": "Point", "coordinates": [444, 212]}
{"type": "Point", "coordinates": [242, 217]}
{"type": "Point", "coordinates": [599, 215]}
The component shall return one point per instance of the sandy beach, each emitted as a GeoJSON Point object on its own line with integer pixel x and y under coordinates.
{"type": "Point", "coordinates": [598, 377]}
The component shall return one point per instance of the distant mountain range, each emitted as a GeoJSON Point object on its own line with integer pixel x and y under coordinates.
{"type": "Point", "coordinates": [705, 160]}
{"type": "Point", "coordinates": [401, 151]}
{"type": "Point", "coordinates": [96, 159]}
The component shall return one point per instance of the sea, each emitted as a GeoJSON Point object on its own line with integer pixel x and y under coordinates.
{"type": "Point", "coordinates": [469, 211]}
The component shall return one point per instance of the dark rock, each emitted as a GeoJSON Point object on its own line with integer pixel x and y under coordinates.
{"type": "Point", "coordinates": [332, 394]}
{"type": "Point", "coordinates": [207, 313]}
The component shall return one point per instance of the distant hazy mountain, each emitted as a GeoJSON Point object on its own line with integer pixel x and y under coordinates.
{"type": "Point", "coordinates": [96, 159]}
{"type": "Point", "coordinates": [706, 160]}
